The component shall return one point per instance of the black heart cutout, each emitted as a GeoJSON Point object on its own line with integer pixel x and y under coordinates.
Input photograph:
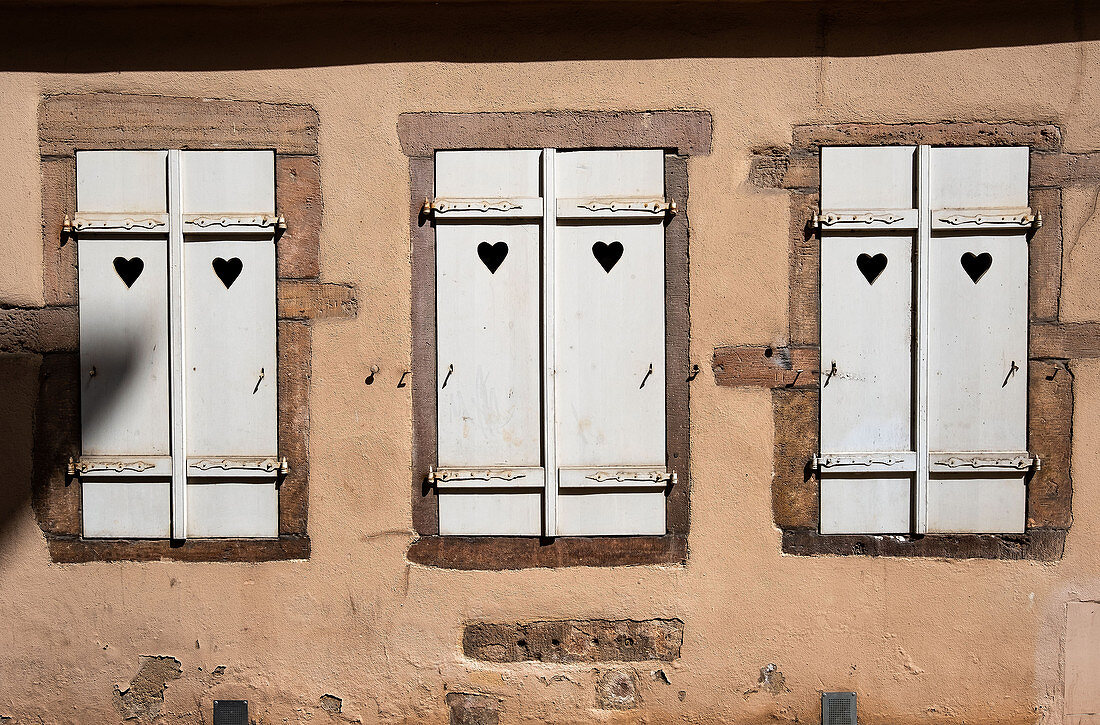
{"type": "Point", "coordinates": [129, 269]}
{"type": "Point", "coordinates": [976, 265]}
{"type": "Point", "coordinates": [608, 255]}
{"type": "Point", "coordinates": [871, 267]}
{"type": "Point", "coordinates": [227, 270]}
{"type": "Point", "coordinates": [492, 255]}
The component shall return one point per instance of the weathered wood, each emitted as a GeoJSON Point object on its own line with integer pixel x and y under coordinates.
{"type": "Point", "coordinates": [1050, 436]}
{"type": "Point", "coordinates": [766, 366]}
{"type": "Point", "coordinates": [423, 133]}
{"type": "Point", "coordinates": [73, 550]}
{"type": "Point", "coordinates": [312, 300]}
{"type": "Point", "coordinates": [1062, 169]}
{"type": "Point", "coordinates": [677, 348]}
{"type": "Point", "coordinates": [1045, 255]}
{"type": "Point", "coordinates": [124, 121]}
{"type": "Point", "coordinates": [1041, 137]}
{"type": "Point", "coordinates": [1036, 544]}
{"type": "Point", "coordinates": [794, 482]}
{"type": "Point", "coordinates": [805, 271]}
{"type": "Point", "coordinates": [1064, 340]}
{"type": "Point", "coordinates": [496, 553]}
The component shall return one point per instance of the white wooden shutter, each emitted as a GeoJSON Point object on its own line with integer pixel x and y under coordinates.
{"type": "Point", "coordinates": [229, 339]}
{"type": "Point", "coordinates": [609, 332]}
{"type": "Point", "coordinates": [867, 461]}
{"type": "Point", "coordinates": [977, 357]}
{"type": "Point", "coordinates": [490, 476]}
{"type": "Point", "coordinates": [123, 293]}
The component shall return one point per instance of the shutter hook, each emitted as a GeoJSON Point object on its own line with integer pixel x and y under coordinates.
{"type": "Point", "coordinates": [450, 369]}
{"type": "Point", "coordinates": [830, 374]}
{"type": "Point", "coordinates": [1011, 371]}
{"type": "Point", "coordinates": [648, 373]}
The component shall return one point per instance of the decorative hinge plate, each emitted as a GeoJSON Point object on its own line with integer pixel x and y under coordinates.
{"type": "Point", "coordinates": [861, 219]}
{"type": "Point", "coordinates": [633, 476]}
{"type": "Point", "coordinates": [209, 223]}
{"type": "Point", "coordinates": [144, 466]}
{"type": "Point", "coordinates": [992, 461]}
{"type": "Point", "coordinates": [481, 207]}
{"type": "Point", "coordinates": [119, 223]}
{"type": "Point", "coordinates": [258, 464]}
{"type": "Point", "coordinates": [645, 477]}
{"type": "Point", "coordinates": [865, 462]}
{"type": "Point", "coordinates": [992, 218]}
{"type": "Point", "coordinates": [473, 478]}
{"type": "Point", "coordinates": [592, 208]}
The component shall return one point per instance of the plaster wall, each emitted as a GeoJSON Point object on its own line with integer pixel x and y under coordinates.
{"type": "Point", "coordinates": [919, 640]}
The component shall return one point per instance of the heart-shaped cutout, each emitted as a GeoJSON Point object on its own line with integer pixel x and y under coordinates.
{"type": "Point", "coordinates": [871, 266]}
{"type": "Point", "coordinates": [492, 255]}
{"type": "Point", "coordinates": [129, 269]}
{"type": "Point", "coordinates": [976, 265]}
{"type": "Point", "coordinates": [608, 255]}
{"type": "Point", "coordinates": [227, 270]}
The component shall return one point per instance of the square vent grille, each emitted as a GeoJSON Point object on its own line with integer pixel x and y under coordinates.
{"type": "Point", "coordinates": [838, 708]}
{"type": "Point", "coordinates": [230, 712]}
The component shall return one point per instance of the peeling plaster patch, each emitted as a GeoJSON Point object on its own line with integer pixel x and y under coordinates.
{"type": "Point", "coordinates": [144, 697]}
{"type": "Point", "coordinates": [908, 664]}
{"type": "Point", "coordinates": [331, 703]}
{"type": "Point", "coordinates": [556, 678]}
{"type": "Point", "coordinates": [660, 676]}
{"type": "Point", "coordinates": [771, 681]}
{"type": "Point", "coordinates": [618, 690]}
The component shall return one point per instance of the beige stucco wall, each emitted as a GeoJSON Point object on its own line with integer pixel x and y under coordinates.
{"type": "Point", "coordinates": [919, 640]}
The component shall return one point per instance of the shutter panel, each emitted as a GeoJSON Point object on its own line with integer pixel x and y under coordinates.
{"type": "Point", "coordinates": [230, 342]}
{"type": "Point", "coordinates": [123, 296]}
{"type": "Point", "coordinates": [488, 315]}
{"type": "Point", "coordinates": [610, 347]}
{"type": "Point", "coordinates": [977, 407]}
{"type": "Point", "coordinates": [867, 461]}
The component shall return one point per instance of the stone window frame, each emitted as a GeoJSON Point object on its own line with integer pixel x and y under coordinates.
{"type": "Point", "coordinates": [791, 368]}
{"type": "Point", "coordinates": [681, 134]}
{"type": "Point", "coordinates": [71, 122]}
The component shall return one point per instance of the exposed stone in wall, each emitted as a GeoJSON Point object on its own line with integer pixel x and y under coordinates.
{"type": "Point", "coordinates": [771, 681]}
{"type": "Point", "coordinates": [44, 329]}
{"type": "Point", "coordinates": [617, 690]}
{"type": "Point", "coordinates": [331, 703]}
{"type": "Point", "coordinates": [144, 697]}
{"type": "Point", "coordinates": [473, 709]}
{"type": "Point", "coordinates": [590, 640]}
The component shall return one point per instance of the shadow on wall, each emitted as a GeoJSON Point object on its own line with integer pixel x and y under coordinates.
{"type": "Point", "coordinates": [40, 424]}
{"type": "Point", "coordinates": [18, 395]}
{"type": "Point", "coordinates": [252, 35]}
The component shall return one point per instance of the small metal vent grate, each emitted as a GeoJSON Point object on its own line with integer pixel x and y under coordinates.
{"type": "Point", "coordinates": [838, 708]}
{"type": "Point", "coordinates": [230, 712]}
